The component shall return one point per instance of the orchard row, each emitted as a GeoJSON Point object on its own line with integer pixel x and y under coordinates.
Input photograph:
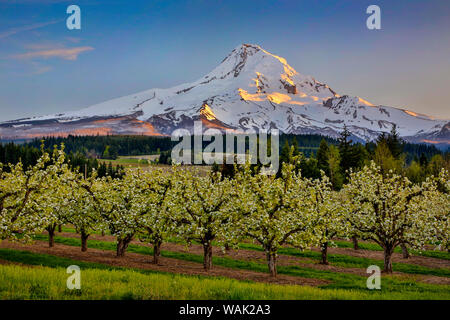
{"type": "Point", "coordinates": [273, 211]}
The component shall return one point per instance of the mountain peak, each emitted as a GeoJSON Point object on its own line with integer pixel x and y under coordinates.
{"type": "Point", "coordinates": [247, 50]}
{"type": "Point", "coordinates": [250, 45]}
{"type": "Point", "coordinates": [250, 89]}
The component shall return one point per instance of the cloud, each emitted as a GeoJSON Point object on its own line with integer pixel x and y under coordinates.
{"type": "Point", "coordinates": [73, 39]}
{"type": "Point", "coordinates": [39, 69]}
{"type": "Point", "coordinates": [12, 31]}
{"type": "Point", "coordinates": [62, 53]}
{"type": "Point", "coordinates": [14, 2]}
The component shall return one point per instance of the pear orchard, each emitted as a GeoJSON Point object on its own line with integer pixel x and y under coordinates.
{"type": "Point", "coordinates": [273, 211]}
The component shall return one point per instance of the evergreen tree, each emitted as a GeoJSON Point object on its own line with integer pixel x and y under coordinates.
{"type": "Point", "coordinates": [322, 157]}
{"type": "Point", "coordinates": [295, 151]}
{"type": "Point", "coordinates": [423, 160]}
{"type": "Point", "coordinates": [102, 170]}
{"type": "Point", "coordinates": [110, 171]}
{"type": "Point", "coordinates": [385, 160]}
{"type": "Point", "coordinates": [285, 153]}
{"type": "Point", "coordinates": [349, 157]}
{"type": "Point", "coordinates": [334, 169]}
{"type": "Point", "coordinates": [395, 143]}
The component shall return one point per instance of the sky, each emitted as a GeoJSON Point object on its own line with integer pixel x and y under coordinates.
{"type": "Point", "coordinates": [125, 47]}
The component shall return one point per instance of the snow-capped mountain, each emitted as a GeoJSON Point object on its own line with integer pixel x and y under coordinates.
{"type": "Point", "coordinates": [250, 89]}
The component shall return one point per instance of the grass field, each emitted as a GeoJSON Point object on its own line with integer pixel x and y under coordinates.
{"type": "Point", "coordinates": [103, 282]}
{"type": "Point", "coordinates": [339, 260]}
{"type": "Point", "coordinates": [132, 162]}
{"type": "Point", "coordinates": [29, 275]}
{"type": "Point", "coordinates": [145, 162]}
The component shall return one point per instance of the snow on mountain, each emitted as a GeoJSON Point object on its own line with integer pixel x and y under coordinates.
{"type": "Point", "coordinates": [250, 89]}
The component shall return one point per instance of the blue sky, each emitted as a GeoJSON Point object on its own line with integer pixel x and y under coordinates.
{"type": "Point", "coordinates": [128, 46]}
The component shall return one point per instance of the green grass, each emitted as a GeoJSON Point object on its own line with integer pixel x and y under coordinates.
{"type": "Point", "coordinates": [127, 161]}
{"type": "Point", "coordinates": [335, 259]}
{"type": "Point", "coordinates": [30, 258]}
{"type": "Point", "coordinates": [375, 247]}
{"type": "Point", "coordinates": [72, 230]}
{"type": "Point", "coordinates": [338, 280]}
{"type": "Point", "coordinates": [339, 243]}
{"type": "Point", "coordinates": [103, 282]}
{"type": "Point", "coordinates": [345, 261]}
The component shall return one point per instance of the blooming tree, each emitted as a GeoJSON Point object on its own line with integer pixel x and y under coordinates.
{"type": "Point", "coordinates": [82, 211]}
{"type": "Point", "coordinates": [19, 188]}
{"type": "Point", "coordinates": [388, 209]}
{"type": "Point", "coordinates": [53, 197]}
{"type": "Point", "coordinates": [438, 202]}
{"type": "Point", "coordinates": [114, 200]}
{"type": "Point", "coordinates": [329, 212]}
{"type": "Point", "coordinates": [275, 212]}
{"type": "Point", "coordinates": [156, 202]}
{"type": "Point", "coordinates": [204, 211]}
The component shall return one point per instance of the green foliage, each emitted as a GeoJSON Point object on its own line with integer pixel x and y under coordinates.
{"type": "Point", "coordinates": [165, 158]}
{"type": "Point", "coordinates": [323, 157]}
{"type": "Point", "coordinates": [334, 167]}
{"type": "Point", "coordinates": [385, 160]}
{"type": "Point", "coordinates": [351, 156]}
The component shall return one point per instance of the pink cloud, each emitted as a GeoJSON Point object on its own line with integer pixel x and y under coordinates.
{"type": "Point", "coordinates": [12, 31]}
{"type": "Point", "coordinates": [39, 69]}
{"type": "Point", "coordinates": [62, 53]}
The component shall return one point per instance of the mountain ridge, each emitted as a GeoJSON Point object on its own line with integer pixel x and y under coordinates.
{"type": "Point", "coordinates": [250, 89]}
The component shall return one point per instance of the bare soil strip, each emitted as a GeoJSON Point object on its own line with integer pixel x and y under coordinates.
{"type": "Point", "coordinates": [286, 260]}
{"type": "Point", "coordinates": [396, 257]}
{"type": "Point", "coordinates": [139, 261]}
{"type": "Point", "coordinates": [428, 262]}
{"type": "Point", "coordinates": [260, 256]}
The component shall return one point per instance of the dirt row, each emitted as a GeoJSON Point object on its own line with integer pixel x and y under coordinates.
{"type": "Point", "coordinates": [396, 257]}
{"type": "Point", "coordinates": [254, 255]}
{"type": "Point", "coordinates": [140, 261]}
{"type": "Point", "coordinates": [185, 267]}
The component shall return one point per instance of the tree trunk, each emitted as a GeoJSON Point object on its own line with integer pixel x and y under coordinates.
{"type": "Point", "coordinates": [51, 236]}
{"type": "Point", "coordinates": [324, 251]}
{"type": "Point", "coordinates": [156, 251]}
{"type": "Point", "coordinates": [84, 238]}
{"type": "Point", "coordinates": [103, 233]}
{"type": "Point", "coordinates": [405, 251]}
{"type": "Point", "coordinates": [122, 245]}
{"type": "Point", "coordinates": [207, 255]}
{"type": "Point", "coordinates": [388, 260]}
{"type": "Point", "coordinates": [355, 243]}
{"type": "Point", "coordinates": [272, 263]}
{"type": "Point", "coordinates": [60, 228]}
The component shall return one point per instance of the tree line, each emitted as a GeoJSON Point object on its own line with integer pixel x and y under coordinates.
{"type": "Point", "coordinates": [29, 155]}
{"type": "Point", "coordinates": [389, 152]}
{"type": "Point", "coordinates": [111, 147]}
